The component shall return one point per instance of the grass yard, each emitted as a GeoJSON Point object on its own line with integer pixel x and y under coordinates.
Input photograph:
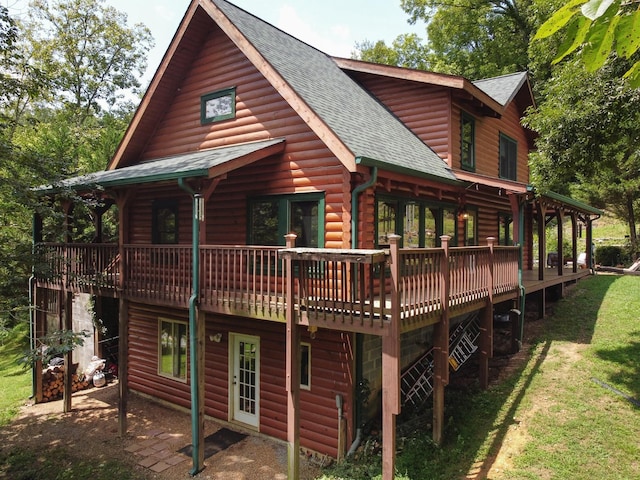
{"type": "Point", "coordinates": [562, 415]}
{"type": "Point", "coordinates": [15, 382]}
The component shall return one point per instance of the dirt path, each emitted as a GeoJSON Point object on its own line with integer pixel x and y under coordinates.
{"type": "Point", "coordinates": [91, 429]}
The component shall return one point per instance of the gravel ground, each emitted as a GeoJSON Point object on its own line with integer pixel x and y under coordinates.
{"type": "Point", "coordinates": [92, 427]}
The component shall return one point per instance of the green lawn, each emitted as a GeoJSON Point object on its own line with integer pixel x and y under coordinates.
{"type": "Point", "coordinates": [15, 381]}
{"type": "Point", "coordinates": [565, 414]}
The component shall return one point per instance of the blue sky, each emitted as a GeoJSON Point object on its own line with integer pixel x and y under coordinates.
{"type": "Point", "coordinates": [333, 26]}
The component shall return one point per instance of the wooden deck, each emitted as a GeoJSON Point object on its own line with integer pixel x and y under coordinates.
{"type": "Point", "coordinates": [352, 290]}
{"type": "Point", "coordinates": [533, 284]}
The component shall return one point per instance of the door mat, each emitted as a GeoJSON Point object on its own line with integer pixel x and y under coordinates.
{"type": "Point", "coordinates": [216, 442]}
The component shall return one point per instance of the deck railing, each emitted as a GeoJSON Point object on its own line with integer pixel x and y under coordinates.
{"type": "Point", "coordinates": [354, 289]}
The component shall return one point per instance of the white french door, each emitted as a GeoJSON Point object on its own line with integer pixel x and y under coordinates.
{"type": "Point", "coordinates": [246, 379]}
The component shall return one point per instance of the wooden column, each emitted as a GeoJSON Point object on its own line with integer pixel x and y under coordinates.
{"type": "Point", "coordinates": [574, 241]}
{"type": "Point", "coordinates": [68, 357]}
{"type": "Point", "coordinates": [560, 220]}
{"type": "Point", "coordinates": [441, 347]}
{"type": "Point", "coordinates": [123, 314]}
{"type": "Point", "coordinates": [123, 365]}
{"type": "Point", "coordinates": [292, 372]}
{"type": "Point", "coordinates": [589, 245]}
{"type": "Point", "coordinates": [391, 368]}
{"type": "Point", "coordinates": [542, 240]}
{"type": "Point", "coordinates": [486, 323]}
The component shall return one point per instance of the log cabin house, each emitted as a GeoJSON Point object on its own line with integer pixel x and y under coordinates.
{"type": "Point", "coordinates": [293, 227]}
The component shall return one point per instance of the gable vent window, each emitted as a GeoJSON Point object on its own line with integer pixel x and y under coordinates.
{"type": "Point", "coordinates": [218, 106]}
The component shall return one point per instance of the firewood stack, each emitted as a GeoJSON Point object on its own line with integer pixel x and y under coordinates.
{"type": "Point", "coordinates": [53, 383]}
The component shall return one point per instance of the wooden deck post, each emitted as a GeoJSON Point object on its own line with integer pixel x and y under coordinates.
{"type": "Point", "coordinates": [574, 242]}
{"type": "Point", "coordinates": [542, 240]}
{"type": "Point", "coordinates": [560, 220]}
{"type": "Point", "coordinates": [486, 323]}
{"type": "Point", "coordinates": [68, 357]}
{"type": "Point", "coordinates": [293, 372]}
{"type": "Point", "coordinates": [441, 347]}
{"type": "Point", "coordinates": [391, 369]}
{"type": "Point", "coordinates": [123, 314]}
{"type": "Point", "coordinates": [123, 368]}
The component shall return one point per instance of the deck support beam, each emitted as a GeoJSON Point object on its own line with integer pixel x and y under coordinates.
{"type": "Point", "coordinates": [441, 348]}
{"type": "Point", "coordinates": [68, 357]}
{"type": "Point", "coordinates": [123, 365]}
{"type": "Point", "coordinates": [486, 324]}
{"type": "Point", "coordinates": [391, 368]}
{"type": "Point", "coordinates": [292, 372]}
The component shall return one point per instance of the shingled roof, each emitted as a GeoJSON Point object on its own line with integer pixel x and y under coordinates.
{"type": "Point", "coordinates": [372, 133]}
{"type": "Point", "coordinates": [503, 88]}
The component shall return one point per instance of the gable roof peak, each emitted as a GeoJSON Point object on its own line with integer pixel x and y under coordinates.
{"type": "Point", "coordinates": [503, 88]}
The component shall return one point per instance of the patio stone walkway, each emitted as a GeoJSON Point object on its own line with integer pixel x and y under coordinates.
{"type": "Point", "coordinates": [157, 450]}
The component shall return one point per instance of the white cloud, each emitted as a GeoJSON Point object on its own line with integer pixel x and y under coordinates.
{"type": "Point", "coordinates": [334, 39]}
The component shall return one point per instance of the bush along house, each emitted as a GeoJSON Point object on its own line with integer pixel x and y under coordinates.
{"type": "Point", "coordinates": [297, 234]}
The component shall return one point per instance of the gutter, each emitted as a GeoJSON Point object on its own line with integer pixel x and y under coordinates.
{"type": "Point", "coordinates": [354, 244]}
{"type": "Point", "coordinates": [193, 337]}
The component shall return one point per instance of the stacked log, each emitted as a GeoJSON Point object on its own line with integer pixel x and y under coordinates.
{"type": "Point", "coordinates": [53, 383]}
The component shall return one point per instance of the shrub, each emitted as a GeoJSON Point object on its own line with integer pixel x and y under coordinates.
{"type": "Point", "coordinates": [611, 255]}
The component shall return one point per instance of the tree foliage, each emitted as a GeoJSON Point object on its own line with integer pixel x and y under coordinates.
{"type": "Point", "coordinates": [595, 29]}
{"type": "Point", "coordinates": [69, 72]}
{"type": "Point", "coordinates": [472, 38]}
{"type": "Point", "coordinates": [589, 139]}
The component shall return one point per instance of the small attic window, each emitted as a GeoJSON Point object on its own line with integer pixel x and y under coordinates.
{"type": "Point", "coordinates": [218, 106]}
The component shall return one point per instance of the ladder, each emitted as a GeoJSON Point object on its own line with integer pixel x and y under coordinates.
{"type": "Point", "coordinates": [464, 344]}
{"type": "Point", "coordinates": [416, 383]}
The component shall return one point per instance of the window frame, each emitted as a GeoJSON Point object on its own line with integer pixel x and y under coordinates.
{"type": "Point", "coordinates": [471, 164]}
{"type": "Point", "coordinates": [173, 376]}
{"type": "Point", "coordinates": [471, 213]}
{"type": "Point", "coordinates": [204, 99]}
{"type": "Point", "coordinates": [505, 228]}
{"type": "Point", "coordinates": [506, 162]}
{"type": "Point", "coordinates": [307, 345]}
{"type": "Point", "coordinates": [284, 222]}
{"type": "Point", "coordinates": [399, 220]}
{"type": "Point", "coordinates": [156, 233]}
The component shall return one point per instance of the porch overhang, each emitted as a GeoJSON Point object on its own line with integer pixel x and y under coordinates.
{"type": "Point", "coordinates": [201, 164]}
{"type": "Point", "coordinates": [552, 199]}
{"type": "Point", "coordinates": [498, 183]}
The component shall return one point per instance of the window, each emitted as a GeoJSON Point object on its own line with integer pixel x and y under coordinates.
{"type": "Point", "coordinates": [470, 234]}
{"type": "Point", "coordinates": [218, 106]}
{"type": "Point", "coordinates": [420, 224]}
{"type": "Point", "coordinates": [505, 229]}
{"type": "Point", "coordinates": [305, 366]}
{"type": "Point", "coordinates": [164, 228]}
{"type": "Point", "coordinates": [271, 218]}
{"type": "Point", "coordinates": [508, 157]}
{"type": "Point", "coordinates": [467, 142]}
{"type": "Point", "coordinates": [172, 349]}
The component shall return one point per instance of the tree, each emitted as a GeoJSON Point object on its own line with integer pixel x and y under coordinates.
{"type": "Point", "coordinates": [67, 74]}
{"type": "Point", "coordinates": [589, 139]}
{"type": "Point", "coordinates": [94, 58]}
{"type": "Point", "coordinates": [472, 38]}
{"type": "Point", "coordinates": [595, 29]}
{"type": "Point", "coordinates": [406, 50]}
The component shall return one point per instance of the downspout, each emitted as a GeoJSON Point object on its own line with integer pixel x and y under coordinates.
{"type": "Point", "coordinates": [193, 340]}
{"type": "Point", "coordinates": [355, 217]}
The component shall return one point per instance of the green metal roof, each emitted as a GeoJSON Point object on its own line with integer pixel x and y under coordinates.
{"type": "Point", "coordinates": [187, 165]}
{"type": "Point", "coordinates": [578, 205]}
